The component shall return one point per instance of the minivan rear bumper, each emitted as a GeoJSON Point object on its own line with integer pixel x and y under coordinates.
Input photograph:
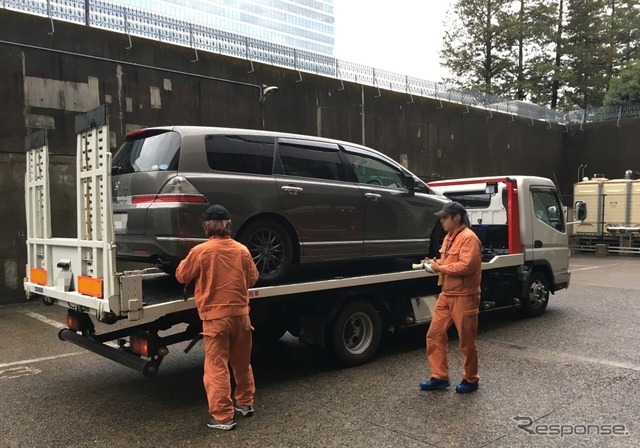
{"type": "Point", "coordinates": [154, 249]}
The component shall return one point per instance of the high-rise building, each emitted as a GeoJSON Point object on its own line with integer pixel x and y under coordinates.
{"type": "Point", "coordinates": [304, 24]}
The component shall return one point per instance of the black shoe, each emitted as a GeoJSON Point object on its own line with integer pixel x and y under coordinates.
{"type": "Point", "coordinates": [245, 410]}
{"type": "Point", "coordinates": [224, 426]}
{"type": "Point", "coordinates": [465, 387]}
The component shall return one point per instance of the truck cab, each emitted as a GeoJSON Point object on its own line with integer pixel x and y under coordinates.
{"type": "Point", "coordinates": [518, 214]}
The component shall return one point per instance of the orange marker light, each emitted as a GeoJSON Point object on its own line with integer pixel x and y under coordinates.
{"type": "Point", "coordinates": [72, 322]}
{"type": "Point", "coordinates": [140, 346]}
{"type": "Point", "coordinates": [38, 276]}
{"type": "Point", "coordinates": [90, 286]}
{"type": "Point", "coordinates": [144, 344]}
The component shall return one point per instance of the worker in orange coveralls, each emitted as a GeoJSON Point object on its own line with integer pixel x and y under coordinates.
{"type": "Point", "coordinates": [223, 271]}
{"type": "Point", "coordinates": [460, 270]}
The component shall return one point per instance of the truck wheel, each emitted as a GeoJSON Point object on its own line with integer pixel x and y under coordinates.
{"type": "Point", "coordinates": [537, 298]}
{"type": "Point", "coordinates": [356, 333]}
{"type": "Point", "coordinates": [271, 248]}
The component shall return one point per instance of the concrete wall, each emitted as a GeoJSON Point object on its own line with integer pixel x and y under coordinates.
{"type": "Point", "coordinates": [48, 79]}
{"type": "Point", "coordinates": [608, 148]}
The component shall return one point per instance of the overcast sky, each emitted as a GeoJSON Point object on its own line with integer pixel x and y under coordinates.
{"type": "Point", "coordinates": [403, 36]}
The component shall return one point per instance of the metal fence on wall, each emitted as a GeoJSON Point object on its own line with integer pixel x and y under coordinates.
{"type": "Point", "coordinates": [135, 22]}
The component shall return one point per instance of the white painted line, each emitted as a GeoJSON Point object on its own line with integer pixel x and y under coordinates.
{"type": "Point", "coordinates": [45, 319]}
{"type": "Point", "coordinates": [33, 361]}
{"type": "Point", "coordinates": [585, 269]}
{"type": "Point", "coordinates": [594, 267]}
{"type": "Point", "coordinates": [18, 372]}
{"type": "Point", "coordinates": [602, 361]}
{"type": "Point", "coordinates": [561, 356]}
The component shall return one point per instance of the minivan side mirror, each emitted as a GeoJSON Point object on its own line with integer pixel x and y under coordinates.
{"type": "Point", "coordinates": [410, 184]}
{"type": "Point", "coordinates": [580, 211]}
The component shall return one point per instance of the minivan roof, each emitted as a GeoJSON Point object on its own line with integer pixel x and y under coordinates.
{"type": "Point", "coordinates": [209, 130]}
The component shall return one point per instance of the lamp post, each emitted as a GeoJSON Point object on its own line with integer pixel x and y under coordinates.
{"type": "Point", "coordinates": [264, 91]}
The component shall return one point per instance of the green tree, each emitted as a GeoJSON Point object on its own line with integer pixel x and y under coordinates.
{"type": "Point", "coordinates": [534, 28]}
{"type": "Point", "coordinates": [624, 34]}
{"type": "Point", "coordinates": [502, 46]}
{"type": "Point", "coordinates": [588, 53]}
{"type": "Point", "coordinates": [476, 49]}
{"type": "Point", "coordinates": [625, 88]}
{"type": "Point", "coordinates": [558, 42]}
{"type": "Point", "coordinates": [562, 53]}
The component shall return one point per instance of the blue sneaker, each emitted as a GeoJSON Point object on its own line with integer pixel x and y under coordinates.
{"type": "Point", "coordinates": [434, 384]}
{"type": "Point", "coordinates": [465, 387]}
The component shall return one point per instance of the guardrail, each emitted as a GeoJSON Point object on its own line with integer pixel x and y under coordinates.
{"type": "Point", "coordinates": [136, 22]}
{"type": "Point", "coordinates": [610, 249]}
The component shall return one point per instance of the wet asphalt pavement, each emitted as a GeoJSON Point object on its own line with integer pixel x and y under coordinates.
{"type": "Point", "coordinates": [577, 365]}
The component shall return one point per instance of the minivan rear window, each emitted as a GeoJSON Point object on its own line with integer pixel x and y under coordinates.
{"type": "Point", "coordinates": [150, 152]}
{"type": "Point", "coordinates": [240, 154]}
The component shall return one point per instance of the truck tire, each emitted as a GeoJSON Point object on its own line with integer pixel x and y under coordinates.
{"type": "Point", "coordinates": [271, 247]}
{"type": "Point", "coordinates": [356, 333]}
{"type": "Point", "coordinates": [537, 298]}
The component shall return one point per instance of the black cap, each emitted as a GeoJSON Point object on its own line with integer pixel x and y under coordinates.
{"type": "Point", "coordinates": [216, 213]}
{"type": "Point", "coordinates": [451, 209]}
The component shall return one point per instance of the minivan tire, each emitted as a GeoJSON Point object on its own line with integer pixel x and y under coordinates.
{"type": "Point", "coordinates": [271, 247]}
{"type": "Point", "coordinates": [437, 238]}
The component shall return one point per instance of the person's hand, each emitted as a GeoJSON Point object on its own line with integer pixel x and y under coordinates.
{"type": "Point", "coordinates": [433, 264]}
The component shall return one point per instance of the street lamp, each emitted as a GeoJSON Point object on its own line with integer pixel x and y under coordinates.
{"type": "Point", "coordinates": [264, 91]}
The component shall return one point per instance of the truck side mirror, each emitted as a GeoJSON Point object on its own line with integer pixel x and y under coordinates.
{"type": "Point", "coordinates": [580, 210]}
{"type": "Point", "coordinates": [410, 184]}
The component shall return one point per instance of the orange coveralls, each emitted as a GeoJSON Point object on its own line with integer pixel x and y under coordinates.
{"type": "Point", "coordinates": [461, 266]}
{"type": "Point", "coordinates": [224, 271]}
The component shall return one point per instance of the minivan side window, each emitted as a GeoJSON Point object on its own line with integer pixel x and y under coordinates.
{"type": "Point", "coordinates": [311, 161]}
{"type": "Point", "coordinates": [548, 209]}
{"type": "Point", "coordinates": [372, 171]}
{"type": "Point", "coordinates": [239, 154]}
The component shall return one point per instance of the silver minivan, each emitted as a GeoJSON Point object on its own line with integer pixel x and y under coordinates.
{"type": "Point", "coordinates": [294, 199]}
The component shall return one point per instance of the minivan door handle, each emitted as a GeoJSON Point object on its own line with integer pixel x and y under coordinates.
{"type": "Point", "coordinates": [291, 189]}
{"type": "Point", "coordinates": [537, 244]}
{"type": "Point", "coordinates": [373, 196]}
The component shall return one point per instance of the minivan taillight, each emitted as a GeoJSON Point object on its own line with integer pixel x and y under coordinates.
{"type": "Point", "coordinates": [176, 190]}
{"type": "Point", "coordinates": [183, 198]}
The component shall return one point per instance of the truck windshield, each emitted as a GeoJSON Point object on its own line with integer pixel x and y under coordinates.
{"type": "Point", "coordinates": [148, 152]}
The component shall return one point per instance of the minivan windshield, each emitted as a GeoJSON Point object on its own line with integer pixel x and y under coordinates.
{"type": "Point", "coordinates": [150, 152]}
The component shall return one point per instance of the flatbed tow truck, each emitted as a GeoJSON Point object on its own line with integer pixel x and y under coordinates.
{"type": "Point", "coordinates": [519, 220]}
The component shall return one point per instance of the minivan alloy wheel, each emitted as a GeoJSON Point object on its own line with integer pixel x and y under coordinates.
{"type": "Point", "coordinates": [267, 250]}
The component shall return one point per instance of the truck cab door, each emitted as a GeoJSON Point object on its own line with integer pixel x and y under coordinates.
{"type": "Point", "coordinates": [548, 240]}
